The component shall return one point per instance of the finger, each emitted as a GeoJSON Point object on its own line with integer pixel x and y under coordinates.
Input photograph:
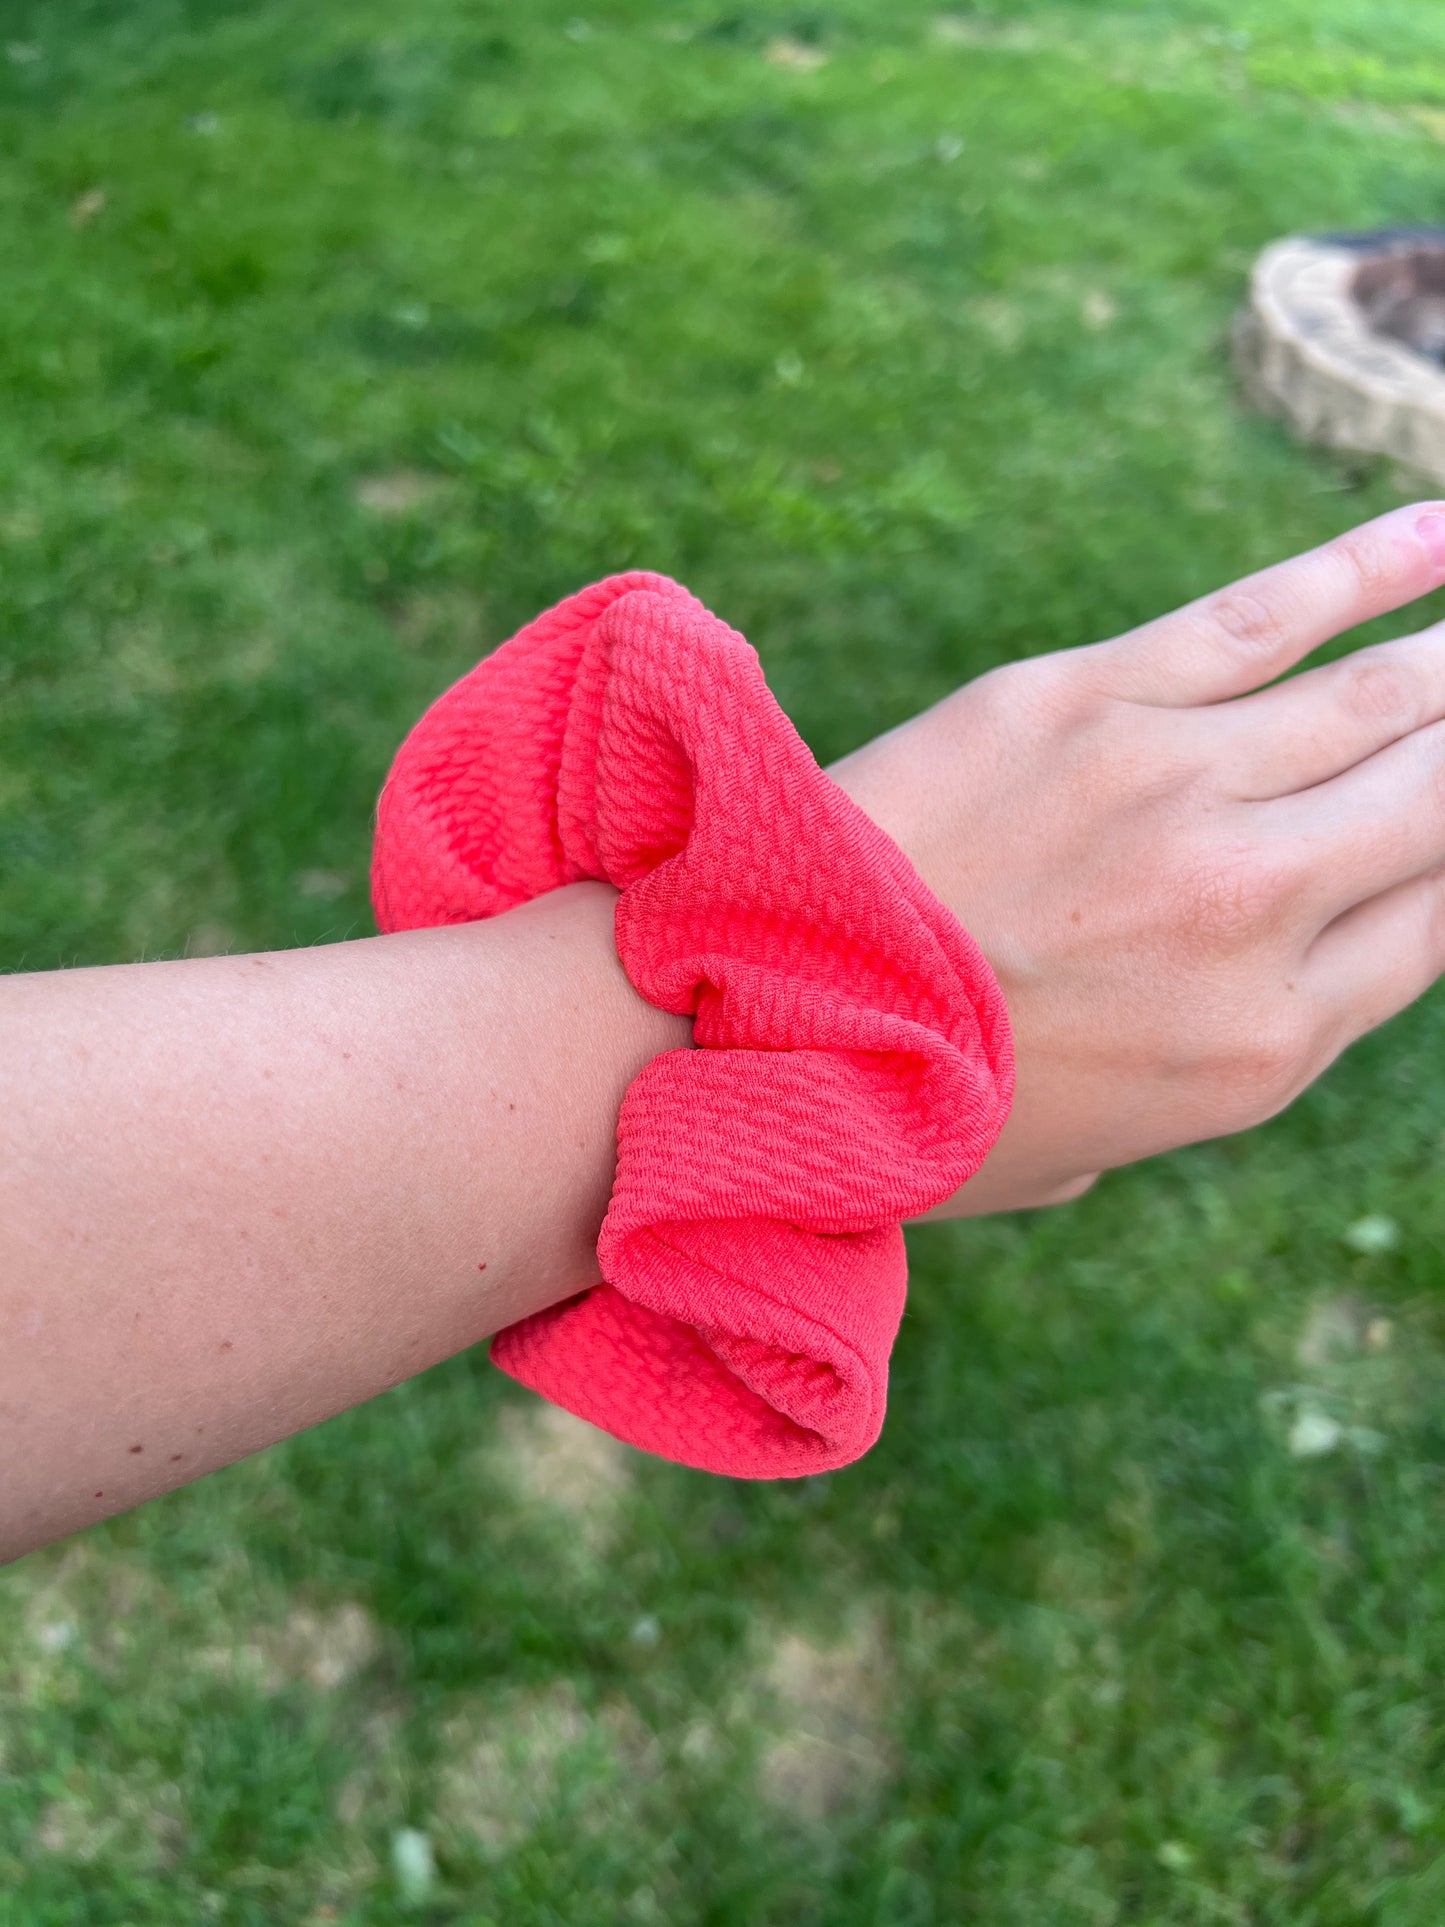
{"type": "Point", "coordinates": [1377, 958]}
{"type": "Point", "coordinates": [1244, 636]}
{"type": "Point", "coordinates": [1376, 826]}
{"type": "Point", "coordinates": [1313, 727]}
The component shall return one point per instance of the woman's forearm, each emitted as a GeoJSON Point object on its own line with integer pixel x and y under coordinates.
{"type": "Point", "coordinates": [240, 1194]}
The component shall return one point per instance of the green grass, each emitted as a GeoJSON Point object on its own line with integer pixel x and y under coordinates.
{"type": "Point", "coordinates": [335, 341]}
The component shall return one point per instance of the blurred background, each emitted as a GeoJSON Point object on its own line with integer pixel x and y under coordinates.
{"type": "Point", "coordinates": [337, 340]}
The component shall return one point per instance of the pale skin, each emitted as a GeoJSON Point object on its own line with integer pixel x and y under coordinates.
{"type": "Point", "coordinates": [240, 1194]}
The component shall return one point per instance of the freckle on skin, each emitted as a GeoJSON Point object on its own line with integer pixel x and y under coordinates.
{"type": "Point", "coordinates": [100, 1495]}
{"type": "Point", "coordinates": [136, 1448]}
{"type": "Point", "coordinates": [175, 1458]}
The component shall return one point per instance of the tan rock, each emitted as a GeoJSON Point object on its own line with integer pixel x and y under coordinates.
{"type": "Point", "coordinates": [1308, 346]}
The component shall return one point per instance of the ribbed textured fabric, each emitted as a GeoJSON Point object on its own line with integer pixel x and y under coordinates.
{"type": "Point", "coordinates": [855, 1062]}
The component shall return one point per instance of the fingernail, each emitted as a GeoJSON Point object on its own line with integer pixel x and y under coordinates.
{"type": "Point", "coordinates": [1431, 530]}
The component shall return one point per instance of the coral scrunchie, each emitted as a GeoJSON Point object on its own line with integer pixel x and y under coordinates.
{"type": "Point", "coordinates": [855, 1061]}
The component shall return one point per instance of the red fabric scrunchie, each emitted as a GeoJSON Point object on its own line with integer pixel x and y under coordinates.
{"type": "Point", "coordinates": [855, 1062]}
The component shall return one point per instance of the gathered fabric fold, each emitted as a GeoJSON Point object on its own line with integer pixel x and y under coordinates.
{"type": "Point", "coordinates": [853, 1063]}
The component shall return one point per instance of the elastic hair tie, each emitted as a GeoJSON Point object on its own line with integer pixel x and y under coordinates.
{"type": "Point", "coordinates": [855, 1062]}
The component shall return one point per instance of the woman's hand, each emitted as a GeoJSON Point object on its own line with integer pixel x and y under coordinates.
{"type": "Point", "coordinates": [1194, 896]}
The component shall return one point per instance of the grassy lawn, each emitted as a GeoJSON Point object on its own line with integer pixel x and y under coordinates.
{"type": "Point", "coordinates": [336, 340]}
